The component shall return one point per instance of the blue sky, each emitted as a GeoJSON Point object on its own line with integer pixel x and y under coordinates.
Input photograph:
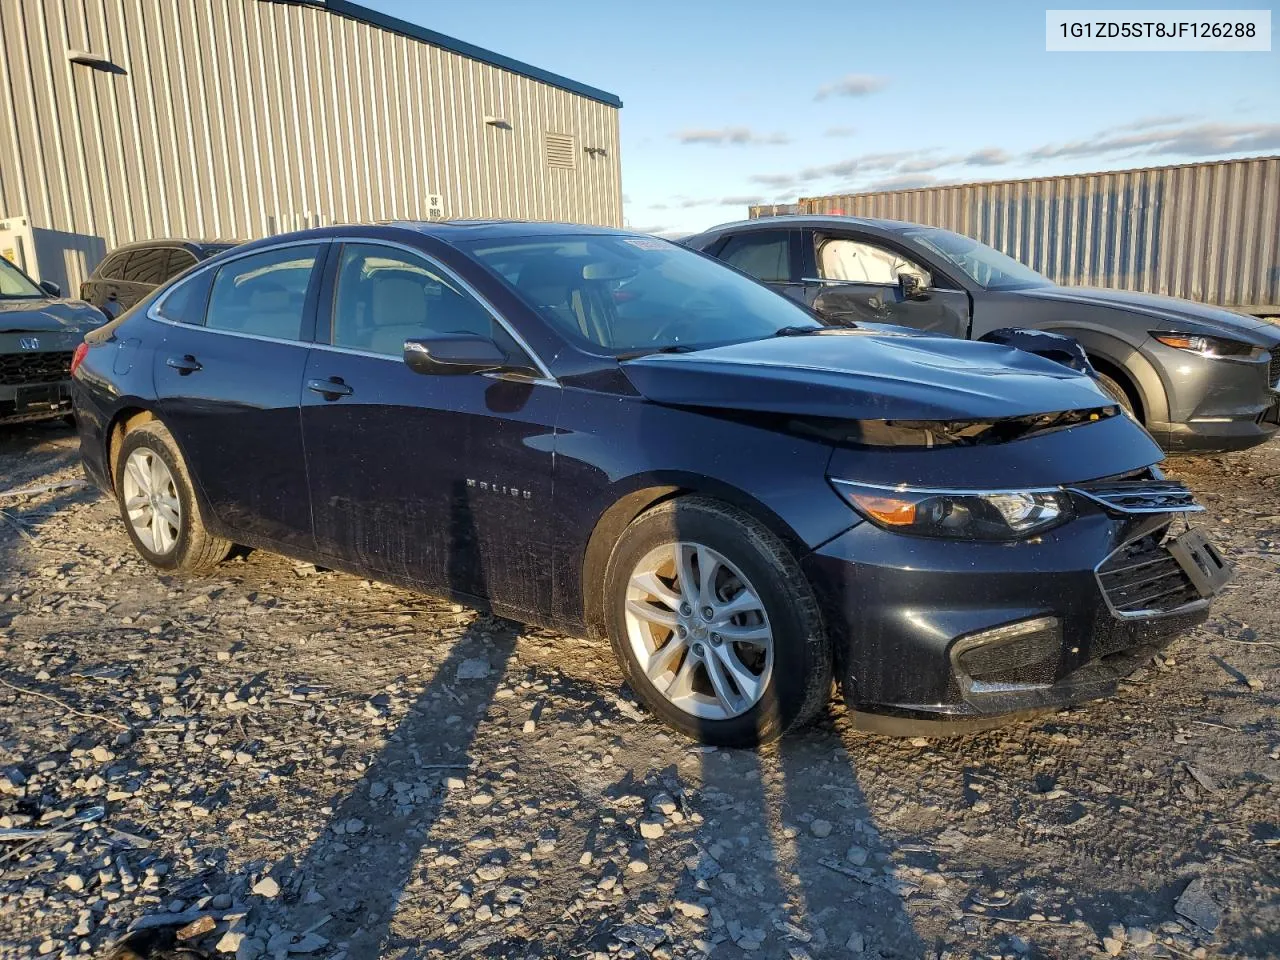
{"type": "Point", "coordinates": [730, 102]}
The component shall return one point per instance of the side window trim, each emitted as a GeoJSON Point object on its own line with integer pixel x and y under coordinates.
{"type": "Point", "coordinates": [323, 329]}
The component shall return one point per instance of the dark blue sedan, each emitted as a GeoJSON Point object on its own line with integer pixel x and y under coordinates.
{"type": "Point", "coordinates": [614, 436]}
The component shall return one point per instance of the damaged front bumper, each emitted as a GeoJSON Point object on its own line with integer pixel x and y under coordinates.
{"type": "Point", "coordinates": [21, 403]}
{"type": "Point", "coordinates": [964, 632]}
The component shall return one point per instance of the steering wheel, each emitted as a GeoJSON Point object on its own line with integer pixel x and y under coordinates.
{"type": "Point", "coordinates": [698, 304]}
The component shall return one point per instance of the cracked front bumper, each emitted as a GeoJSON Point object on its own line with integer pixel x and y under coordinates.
{"type": "Point", "coordinates": [963, 631]}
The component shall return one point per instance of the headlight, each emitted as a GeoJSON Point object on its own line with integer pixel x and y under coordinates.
{"type": "Point", "coordinates": [989, 515]}
{"type": "Point", "coordinates": [1207, 346]}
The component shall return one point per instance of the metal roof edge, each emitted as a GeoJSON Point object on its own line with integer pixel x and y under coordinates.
{"type": "Point", "coordinates": [355, 11]}
{"type": "Point", "coordinates": [1044, 177]}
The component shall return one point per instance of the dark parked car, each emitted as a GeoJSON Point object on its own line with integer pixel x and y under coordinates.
{"type": "Point", "coordinates": [130, 272]}
{"type": "Point", "coordinates": [1199, 377]}
{"type": "Point", "coordinates": [39, 331]}
{"type": "Point", "coordinates": [742, 499]}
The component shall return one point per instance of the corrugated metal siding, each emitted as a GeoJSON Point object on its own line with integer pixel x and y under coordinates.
{"type": "Point", "coordinates": [1206, 231]}
{"type": "Point", "coordinates": [242, 118]}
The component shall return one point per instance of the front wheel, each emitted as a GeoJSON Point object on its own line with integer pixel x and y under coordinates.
{"type": "Point", "coordinates": [715, 626]}
{"type": "Point", "coordinates": [158, 505]}
{"type": "Point", "coordinates": [1114, 389]}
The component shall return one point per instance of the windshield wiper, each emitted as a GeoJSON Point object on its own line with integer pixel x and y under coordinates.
{"type": "Point", "coordinates": [646, 351]}
{"type": "Point", "coordinates": [803, 331]}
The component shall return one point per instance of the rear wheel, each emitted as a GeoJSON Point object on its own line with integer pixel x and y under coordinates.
{"type": "Point", "coordinates": [158, 505]}
{"type": "Point", "coordinates": [714, 625]}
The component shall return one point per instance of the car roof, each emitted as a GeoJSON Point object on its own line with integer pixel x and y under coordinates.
{"type": "Point", "coordinates": [813, 220]}
{"type": "Point", "coordinates": [450, 232]}
{"type": "Point", "coordinates": [453, 230]}
{"type": "Point", "coordinates": [200, 245]}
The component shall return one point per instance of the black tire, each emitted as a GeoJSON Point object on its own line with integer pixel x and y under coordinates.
{"type": "Point", "coordinates": [1115, 389]}
{"type": "Point", "coordinates": [800, 681]}
{"type": "Point", "coordinates": [195, 550]}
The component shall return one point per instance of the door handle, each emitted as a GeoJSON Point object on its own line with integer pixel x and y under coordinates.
{"type": "Point", "coordinates": [330, 389]}
{"type": "Point", "coordinates": [184, 365]}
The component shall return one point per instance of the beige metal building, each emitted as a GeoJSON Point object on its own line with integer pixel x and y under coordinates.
{"type": "Point", "coordinates": [124, 120]}
{"type": "Point", "coordinates": [1203, 231]}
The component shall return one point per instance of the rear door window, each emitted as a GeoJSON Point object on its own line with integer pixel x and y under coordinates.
{"type": "Point", "coordinates": [263, 294]}
{"type": "Point", "coordinates": [765, 255]}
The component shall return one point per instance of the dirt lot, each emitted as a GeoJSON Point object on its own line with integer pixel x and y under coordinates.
{"type": "Point", "coordinates": [332, 768]}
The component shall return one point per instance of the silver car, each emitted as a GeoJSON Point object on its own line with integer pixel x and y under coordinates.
{"type": "Point", "coordinates": [1198, 377]}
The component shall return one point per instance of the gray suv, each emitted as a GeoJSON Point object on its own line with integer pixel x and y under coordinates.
{"type": "Point", "coordinates": [1198, 377]}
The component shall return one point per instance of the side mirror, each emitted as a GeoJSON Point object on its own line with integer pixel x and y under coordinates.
{"type": "Point", "coordinates": [51, 288]}
{"type": "Point", "coordinates": [910, 287]}
{"type": "Point", "coordinates": [453, 353]}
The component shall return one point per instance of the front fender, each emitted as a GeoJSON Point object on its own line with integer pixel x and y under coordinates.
{"type": "Point", "coordinates": [1119, 353]}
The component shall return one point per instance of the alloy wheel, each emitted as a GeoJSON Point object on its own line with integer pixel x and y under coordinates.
{"type": "Point", "coordinates": [699, 631]}
{"type": "Point", "coordinates": [151, 500]}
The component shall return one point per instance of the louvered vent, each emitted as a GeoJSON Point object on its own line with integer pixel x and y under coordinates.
{"type": "Point", "coordinates": [560, 152]}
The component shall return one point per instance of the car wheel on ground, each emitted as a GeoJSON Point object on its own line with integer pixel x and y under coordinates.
{"type": "Point", "coordinates": [158, 506]}
{"type": "Point", "coordinates": [714, 625]}
{"type": "Point", "coordinates": [1116, 391]}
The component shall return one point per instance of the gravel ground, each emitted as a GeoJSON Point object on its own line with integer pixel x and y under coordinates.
{"type": "Point", "coordinates": [324, 766]}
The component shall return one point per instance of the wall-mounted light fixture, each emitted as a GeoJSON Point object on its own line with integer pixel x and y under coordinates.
{"type": "Point", "coordinates": [502, 123]}
{"type": "Point", "coordinates": [95, 61]}
{"type": "Point", "coordinates": [596, 151]}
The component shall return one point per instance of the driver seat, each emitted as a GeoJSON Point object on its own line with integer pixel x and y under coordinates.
{"type": "Point", "coordinates": [554, 285]}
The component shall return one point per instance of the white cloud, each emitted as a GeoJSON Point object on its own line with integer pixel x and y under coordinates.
{"type": "Point", "coordinates": [852, 85]}
{"type": "Point", "coordinates": [730, 136]}
{"type": "Point", "coordinates": [1198, 140]}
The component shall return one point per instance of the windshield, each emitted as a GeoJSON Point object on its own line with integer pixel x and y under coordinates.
{"type": "Point", "coordinates": [630, 294]}
{"type": "Point", "coordinates": [985, 266]}
{"type": "Point", "coordinates": [14, 285]}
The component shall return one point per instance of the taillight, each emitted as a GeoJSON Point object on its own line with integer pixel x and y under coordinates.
{"type": "Point", "coordinates": [77, 358]}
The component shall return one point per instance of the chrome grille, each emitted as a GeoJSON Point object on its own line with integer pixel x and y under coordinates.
{"type": "Point", "coordinates": [1145, 496]}
{"type": "Point", "coordinates": [20, 368]}
{"type": "Point", "coordinates": [1142, 579]}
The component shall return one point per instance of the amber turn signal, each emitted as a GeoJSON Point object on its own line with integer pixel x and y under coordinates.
{"type": "Point", "coordinates": [890, 511]}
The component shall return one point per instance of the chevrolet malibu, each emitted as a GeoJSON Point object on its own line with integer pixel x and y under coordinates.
{"type": "Point", "coordinates": [614, 436]}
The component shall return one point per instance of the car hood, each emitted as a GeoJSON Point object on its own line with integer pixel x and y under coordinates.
{"type": "Point", "coordinates": [49, 316]}
{"type": "Point", "coordinates": [1183, 315]}
{"type": "Point", "coordinates": [866, 376]}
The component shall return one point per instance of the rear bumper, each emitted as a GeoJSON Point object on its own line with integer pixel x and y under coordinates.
{"type": "Point", "coordinates": [962, 632]}
{"type": "Point", "coordinates": [34, 401]}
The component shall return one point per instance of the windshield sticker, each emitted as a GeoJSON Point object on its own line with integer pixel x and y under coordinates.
{"type": "Point", "coordinates": [646, 243]}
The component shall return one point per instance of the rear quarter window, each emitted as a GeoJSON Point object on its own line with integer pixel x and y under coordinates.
{"type": "Point", "coordinates": [187, 300]}
{"type": "Point", "coordinates": [113, 267]}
